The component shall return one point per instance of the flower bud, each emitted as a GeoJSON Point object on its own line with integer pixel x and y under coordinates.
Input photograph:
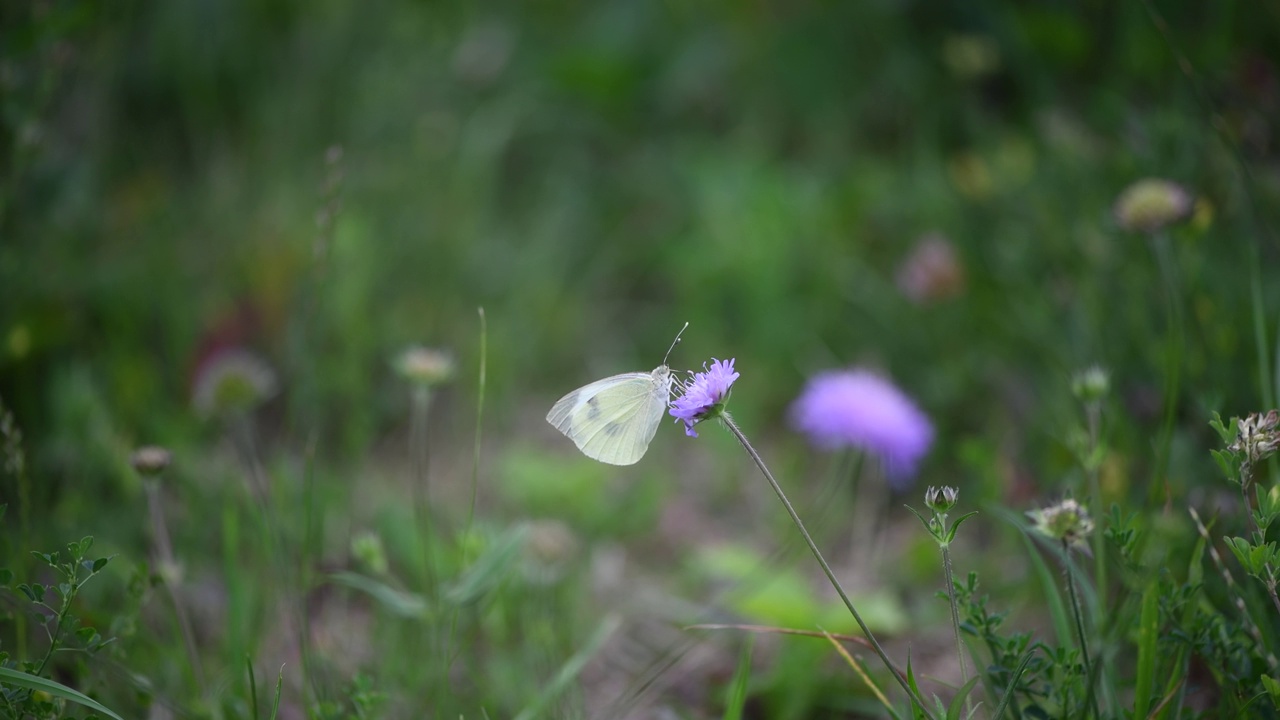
{"type": "Point", "coordinates": [941, 499]}
{"type": "Point", "coordinates": [1091, 384]}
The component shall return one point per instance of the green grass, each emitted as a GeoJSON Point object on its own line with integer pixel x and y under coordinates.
{"type": "Point", "coordinates": [593, 176]}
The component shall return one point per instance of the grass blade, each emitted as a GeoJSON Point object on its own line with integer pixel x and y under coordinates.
{"type": "Point", "coordinates": [570, 669]}
{"type": "Point", "coordinates": [738, 686]}
{"type": "Point", "coordinates": [1148, 634]}
{"type": "Point", "coordinates": [35, 682]}
{"type": "Point", "coordinates": [1052, 594]}
{"type": "Point", "coordinates": [1007, 697]}
{"type": "Point", "coordinates": [862, 673]}
{"type": "Point", "coordinates": [253, 687]}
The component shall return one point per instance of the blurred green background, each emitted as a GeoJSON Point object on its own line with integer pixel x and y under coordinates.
{"type": "Point", "coordinates": [594, 174]}
{"type": "Point", "coordinates": [326, 183]}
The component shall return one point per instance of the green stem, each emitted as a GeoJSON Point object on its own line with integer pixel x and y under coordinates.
{"type": "Point", "coordinates": [1075, 610]}
{"type": "Point", "coordinates": [817, 554]}
{"type": "Point", "coordinates": [164, 551]}
{"type": "Point", "coordinates": [955, 612]}
{"type": "Point", "coordinates": [57, 628]}
{"type": "Point", "coordinates": [1093, 420]}
{"type": "Point", "coordinates": [452, 652]}
{"type": "Point", "coordinates": [1260, 537]}
{"type": "Point", "coordinates": [420, 405]}
{"type": "Point", "coordinates": [475, 464]}
{"type": "Point", "coordinates": [1174, 344]}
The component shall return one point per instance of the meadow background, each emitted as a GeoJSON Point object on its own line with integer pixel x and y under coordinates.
{"type": "Point", "coordinates": [325, 184]}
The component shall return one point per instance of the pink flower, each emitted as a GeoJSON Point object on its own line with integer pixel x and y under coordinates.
{"type": "Point", "coordinates": [857, 408]}
{"type": "Point", "coordinates": [703, 396]}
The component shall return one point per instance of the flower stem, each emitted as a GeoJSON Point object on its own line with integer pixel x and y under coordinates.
{"type": "Point", "coordinates": [955, 613]}
{"type": "Point", "coordinates": [1163, 250]}
{"type": "Point", "coordinates": [1075, 610]}
{"type": "Point", "coordinates": [168, 561]}
{"type": "Point", "coordinates": [420, 405]}
{"type": "Point", "coordinates": [817, 554]}
{"type": "Point", "coordinates": [1093, 411]}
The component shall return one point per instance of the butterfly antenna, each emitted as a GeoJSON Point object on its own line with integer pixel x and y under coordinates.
{"type": "Point", "coordinates": [674, 343]}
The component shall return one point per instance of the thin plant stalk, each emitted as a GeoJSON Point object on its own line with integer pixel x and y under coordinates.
{"type": "Point", "coordinates": [1079, 618]}
{"type": "Point", "coordinates": [955, 612]}
{"type": "Point", "coordinates": [15, 463]}
{"type": "Point", "coordinates": [1230, 583]}
{"type": "Point", "coordinates": [475, 464]}
{"type": "Point", "coordinates": [420, 405]}
{"type": "Point", "coordinates": [164, 552]}
{"type": "Point", "coordinates": [451, 651]}
{"type": "Point", "coordinates": [1162, 248]}
{"type": "Point", "coordinates": [1093, 413]}
{"type": "Point", "coordinates": [241, 431]}
{"type": "Point", "coordinates": [817, 554]}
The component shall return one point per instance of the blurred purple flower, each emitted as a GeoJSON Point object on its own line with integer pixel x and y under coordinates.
{"type": "Point", "coordinates": [858, 408]}
{"type": "Point", "coordinates": [703, 395]}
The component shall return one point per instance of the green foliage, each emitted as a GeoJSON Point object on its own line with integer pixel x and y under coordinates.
{"type": "Point", "coordinates": [25, 691]}
{"type": "Point", "coordinates": [325, 184]}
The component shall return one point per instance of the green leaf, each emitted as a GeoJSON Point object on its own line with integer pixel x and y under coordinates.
{"type": "Point", "coordinates": [275, 705]}
{"type": "Point", "coordinates": [917, 712]}
{"type": "Point", "coordinates": [1261, 557]}
{"type": "Point", "coordinates": [1226, 431]}
{"type": "Point", "coordinates": [1240, 548]}
{"type": "Point", "coordinates": [1226, 462]}
{"type": "Point", "coordinates": [253, 686]}
{"type": "Point", "coordinates": [35, 682]}
{"type": "Point", "coordinates": [1013, 683]}
{"type": "Point", "coordinates": [489, 570]}
{"type": "Point", "coordinates": [951, 535]}
{"type": "Point", "coordinates": [100, 563]}
{"type": "Point", "coordinates": [922, 521]}
{"type": "Point", "coordinates": [1052, 594]}
{"type": "Point", "coordinates": [1148, 651]}
{"type": "Point", "coordinates": [1272, 686]}
{"type": "Point", "coordinates": [399, 602]}
{"type": "Point", "coordinates": [737, 696]}
{"type": "Point", "coordinates": [957, 702]}
{"type": "Point", "coordinates": [32, 593]}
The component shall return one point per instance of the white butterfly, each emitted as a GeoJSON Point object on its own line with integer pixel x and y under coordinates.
{"type": "Point", "coordinates": [613, 420]}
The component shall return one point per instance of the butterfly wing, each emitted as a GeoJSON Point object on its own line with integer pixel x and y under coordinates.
{"type": "Point", "coordinates": [613, 420]}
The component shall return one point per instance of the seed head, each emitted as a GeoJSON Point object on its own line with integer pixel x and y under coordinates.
{"type": "Point", "coordinates": [1067, 522]}
{"type": "Point", "coordinates": [932, 272]}
{"type": "Point", "coordinates": [233, 381]}
{"type": "Point", "coordinates": [424, 367]}
{"type": "Point", "coordinates": [150, 460]}
{"type": "Point", "coordinates": [1152, 204]}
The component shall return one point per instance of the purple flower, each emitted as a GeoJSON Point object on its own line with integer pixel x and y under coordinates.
{"type": "Point", "coordinates": [857, 408]}
{"type": "Point", "coordinates": [704, 394]}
